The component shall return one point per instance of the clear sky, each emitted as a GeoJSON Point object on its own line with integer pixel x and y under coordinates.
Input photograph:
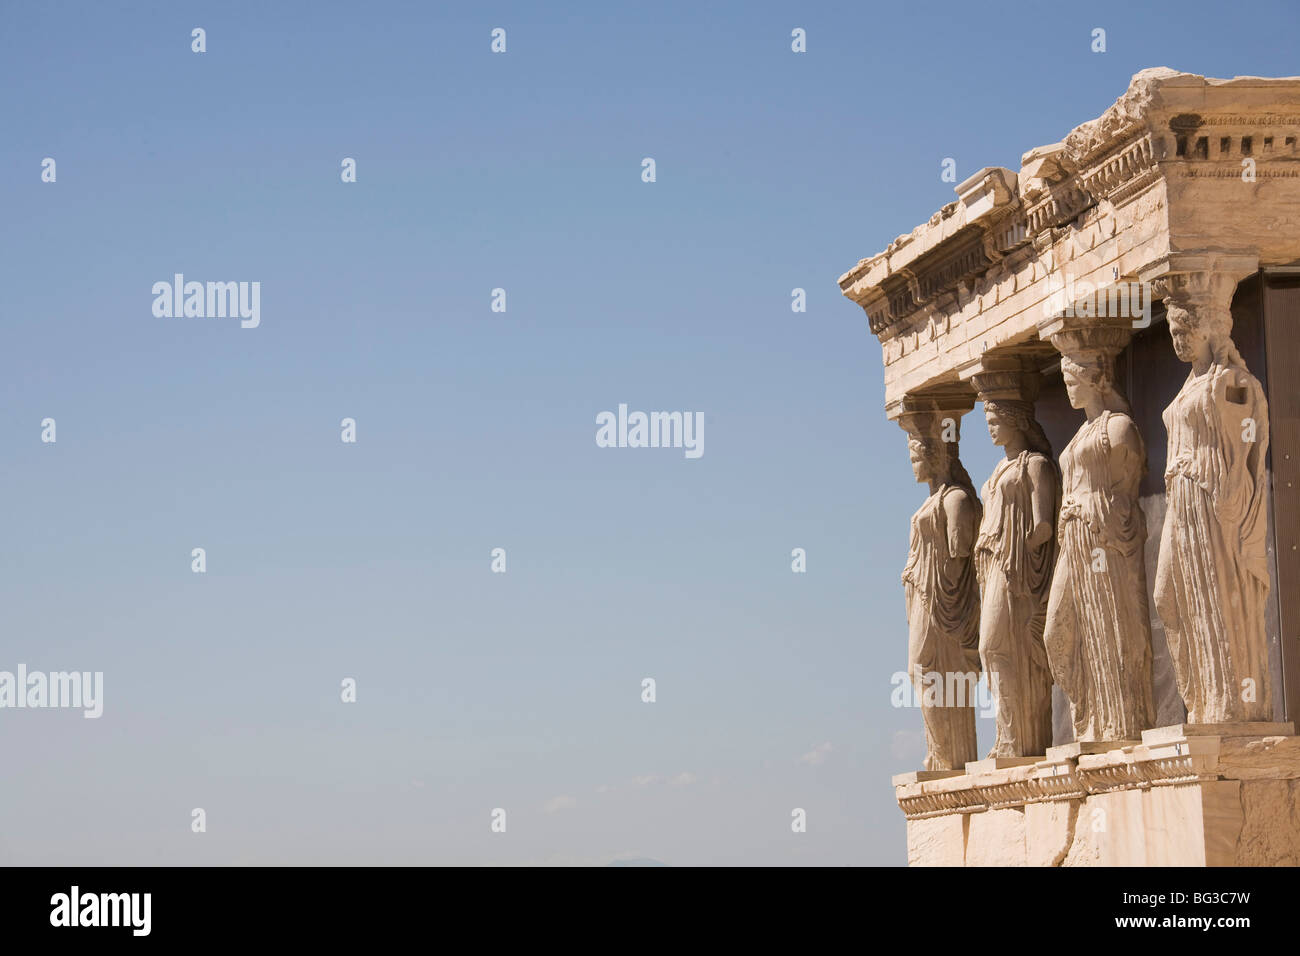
{"type": "Point", "coordinates": [476, 429]}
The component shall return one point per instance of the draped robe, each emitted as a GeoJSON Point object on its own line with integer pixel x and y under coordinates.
{"type": "Point", "coordinates": [943, 629]}
{"type": "Point", "coordinates": [1098, 633]}
{"type": "Point", "coordinates": [1014, 582]}
{"type": "Point", "coordinates": [1212, 575]}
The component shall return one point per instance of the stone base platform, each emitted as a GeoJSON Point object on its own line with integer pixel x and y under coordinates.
{"type": "Point", "coordinates": [1185, 795]}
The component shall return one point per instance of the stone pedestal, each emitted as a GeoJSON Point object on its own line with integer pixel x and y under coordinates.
{"type": "Point", "coordinates": [1186, 795]}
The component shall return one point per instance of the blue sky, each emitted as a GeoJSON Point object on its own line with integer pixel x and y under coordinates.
{"type": "Point", "coordinates": [476, 428]}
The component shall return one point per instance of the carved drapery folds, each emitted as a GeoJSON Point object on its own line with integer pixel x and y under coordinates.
{"type": "Point", "coordinates": [1059, 553]}
{"type": "Point", "coordinates": [940, 585]}
{"type": "Point", "coordinates": [1182, 188]}
{"type": "Point", "coordinates": [1098, 634]}
{"type": "Point", "coordinates": [1212, 576]}
{"type": "Point", "coordinates": [1015, 554]}
{"type": "Point", "coordinates": [1054, 574]}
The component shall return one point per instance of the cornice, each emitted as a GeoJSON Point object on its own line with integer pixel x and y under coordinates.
{"type": "Point", "coordinates": [1166, 125]}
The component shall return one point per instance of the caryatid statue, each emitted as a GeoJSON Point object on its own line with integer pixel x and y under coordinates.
{"type": "Point", "coordinates": [1212, 575]}
{"type": "Point", "coordinates": [1015, 553]}
{"type": "Point", "coordinates": [942, 594]}
{"type": "Point", "coordinates": [1098, 632]}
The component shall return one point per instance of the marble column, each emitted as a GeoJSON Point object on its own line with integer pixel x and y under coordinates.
{"type": "Point", "coordinates": [1098, 629]}
{"type": "Point", "coordinates": [1015, 553]}
{"type": "Point", "coordinates": [1212, 577]}
{"type": "Point", "coordinates": [939, 582]}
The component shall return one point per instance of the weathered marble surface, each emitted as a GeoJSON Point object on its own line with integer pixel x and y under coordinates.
{"type": "Point", "coordinates": [941, 591]}
{"type": "Point", "coordinates": [1183, 188]}
{"type": "Point", "coordinates": [1015, 554]}
{"type": "Point", "coordinates": [1212, 576]}
{"type": "Point", "coordinates": [1182, 797]}
{"type": "Point", "coordinates": [1098, 633]}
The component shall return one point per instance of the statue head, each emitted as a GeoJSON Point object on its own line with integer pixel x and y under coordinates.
{"type": "Point", "coordinates": [1192, 337]}
{"type": "Point", "coordinates": [927, 461]}
{"type": "Point", "coordinates": [1008, 395]}
{"type": "Point", "coordinates": [1010, 419]}
{"type": "Point", "coordinates": [1090, 377]}
{"type": "Point", "coordinates": [932, 446]}
{"type": "Point", "coordinates": [1088, 365]}
{"type": "Point", "coordinates": [1005, 418]}
{"type": "Point", "coordinates": [1198, 307]}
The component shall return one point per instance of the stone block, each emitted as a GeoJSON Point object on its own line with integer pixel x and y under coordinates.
{"type": "Point", "coordinates": [1176, 800]}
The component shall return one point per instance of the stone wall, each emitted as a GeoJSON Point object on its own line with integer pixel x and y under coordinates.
{"type": "Point", "coordinates": [1181, 798]}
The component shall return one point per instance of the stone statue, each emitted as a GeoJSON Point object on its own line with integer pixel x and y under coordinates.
{"type": "Point", "coordinates": [1014, 554]}
{"type": "Point", "coordinates": [942, 594]}
{"type": "Point", "coordinates": [1212, 574]}
{"type": "Point", "coordinates": [1098, 632]}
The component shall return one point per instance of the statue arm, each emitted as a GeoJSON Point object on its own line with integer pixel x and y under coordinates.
{"type": "Point", "coordinates": [1127, 445]}
{"type": "Point", "coordinates": [1124, 529]}
{"type": "Point", "coordinates": [1042, 481]}
{"type": "Point", "coordinates": [960, 514]}
{"type": "Point", "coordinates": [1242, 422]}
{"type": "Point", "coordinates": [959, 604]}
{"type": "Point", "coordinates": [1254, 524]}
{"type": "Point", "coordinates": [1258, 406]}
